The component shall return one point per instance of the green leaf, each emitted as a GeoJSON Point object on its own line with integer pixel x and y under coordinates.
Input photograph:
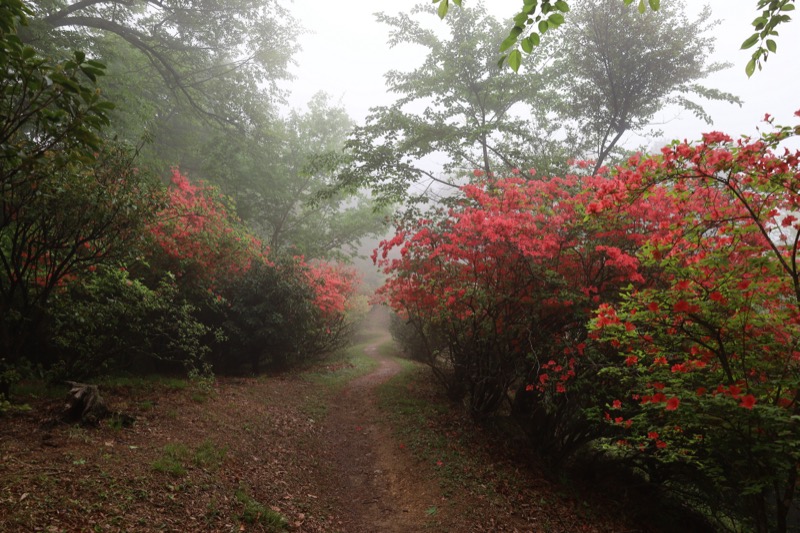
{"type": "Point", "coordinates": [771, 46]}
{"type": "Point", "coordinates": [562, 6]}
{"type": "Point", "coordinates": [527, 46]}
{"type": "Point", "coordinates": [543, 25]}
{"type": "Point", "coordinates": [534, 39]}
{"type": "Point", "coordinates": [443, 7]}
{"type": "Point", "coordinates": [641, 6]}
{"type": "Point", "coordinates": [556, 19]}
{"type": "Point", "coordinates": [457, 2]}
{"type": "Point", "coordinates": [79, 56]}
{"type": "Point", "coordinates": [787, 7]}
{"type": "Point", "coordinates": [750, 68]}
{"type": "Point", "coordinates": [655, 4]}
{"type": "Point", "coordinates": [753, 39]}
{"type": "Point", "coordinates": [89, 73]}
{"type": "Point", "coordinates": [515, 60]}
{"type": "Point", "coordinates": [509, 41]}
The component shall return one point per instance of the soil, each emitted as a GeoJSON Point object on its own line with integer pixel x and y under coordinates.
{"type": "Point", "coordinates": [373, 478]}
{"type": "Point", "coordinates": [323, 457]}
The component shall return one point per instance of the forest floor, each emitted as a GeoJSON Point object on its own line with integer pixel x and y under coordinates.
{"type": "Point", "coordinates": [362, 443]}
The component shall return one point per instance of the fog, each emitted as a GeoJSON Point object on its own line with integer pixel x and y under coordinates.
{"type": "Point", "coordinates": [345, 54]}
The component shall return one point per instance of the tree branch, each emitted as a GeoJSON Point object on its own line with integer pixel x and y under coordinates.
{"type": "Point", "coordinates": [138, 40]}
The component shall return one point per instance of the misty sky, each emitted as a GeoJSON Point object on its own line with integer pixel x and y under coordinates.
{"type": "Point", "coordinates": [345, 54]}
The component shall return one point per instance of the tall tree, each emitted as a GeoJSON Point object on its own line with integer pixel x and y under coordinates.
{"type": "Point", "coordinates": [186, 75]}
{"type": "Point", "coordinates": [457, 106]}
{"type": "Point", "coordinates": [535, 18]}
{"type": "Point", "coordinates": [276, 176]}
{"type": "Point", "coordinates": [619, 67]}
{"type": "Point", "coordinates": [187, 45]}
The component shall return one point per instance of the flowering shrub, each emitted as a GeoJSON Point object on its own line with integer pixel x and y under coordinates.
{"type": "Point", "coordinates": [199, 240]}
{"type": "Point", "coordinates": [509, 277]}
{"type": "Point", "coordinates": [653, 311]}
{"type": "Point", "coordinates": [281, 313]}
{"type": "Point", "coordinates": [709, 351]}
{"type": "Point", "coordinates": [270, 311]}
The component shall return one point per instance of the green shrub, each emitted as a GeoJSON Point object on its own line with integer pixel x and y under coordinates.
{"type": "Point", "coordinates": [109, 321]}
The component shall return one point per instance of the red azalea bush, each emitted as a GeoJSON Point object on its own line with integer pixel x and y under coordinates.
{"type": "Point", "coordinates": [502, 287]}
{"type": "Point", "coordinates": [261, 311]}
{"type": "Point", "coordinates": [199, 240]}
{"type": "Point", "coordinates": [662, 299]}
{"type": "Point", "coordinates": [708, 352]}
{"type": "Point", "coordinates": [335, 286]}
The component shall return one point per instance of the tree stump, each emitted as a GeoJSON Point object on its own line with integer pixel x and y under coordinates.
{"type": "Point", "coordinates": [84, 404]}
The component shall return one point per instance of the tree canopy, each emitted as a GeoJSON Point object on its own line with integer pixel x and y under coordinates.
{"type": "Point", "coordinates": [188, 46]}
{"type": "Point", "coordinates": [458, 116]}
{"type": "Point", "coordinates": [617, 68]}
{"type": "Point", "coordinates": [536, 17]}
{"type": "Point", "coordinates": [457, 107]}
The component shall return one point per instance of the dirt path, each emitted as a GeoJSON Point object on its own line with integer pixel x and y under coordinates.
{"type": "Point", "coordinates": [376, 481]}
{"type": "Point", "coordinates": [292, 452]}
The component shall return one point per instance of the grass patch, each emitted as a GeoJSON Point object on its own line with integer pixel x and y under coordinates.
{"type": "Point", "coordinates": [389, 349]}
{"type": "Point", "coordinates": [176, 458]}
{"type": "Point", "coordinates": [38, 388]}
{"type": "Point", "coordinates": [140, 383]}
{"type": "Point", "coordinates": [450, 446]}
{"type": "Point", "coordinates": [172, 460]}
{"type": "Point", "coordinates": [345, 365]}
{"type": "Point", "coordinates": [200, 397]}
{"type": "Point", "coordinates": [208, 455]}
{"type": "Point", "coordinates": [254, 512]}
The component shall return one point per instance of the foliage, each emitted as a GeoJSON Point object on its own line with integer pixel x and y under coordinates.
{"type": "Point", "coordinates": [618, 68]}
{"type": "Point", "coordinates": [277, 191]}
{"type": "Point", "coordinates": [455, 105]}
{"type": "Point", "coordinates": [508, 278]}
{"type": "Point", "coordinates": [536, 18]}
{"type": "Point", "coordinates": [68, 203]}
{"type": "Point", "coordinates": [265, 310]}
{"type": "Point", "coordinates": [613, 72]}
{"type": "Point", "coordinates": [173, 72]}
{"type": "Point", "coordinates": [710, 349]}
{"type": "Point", "coordinates": [263, 303]}
{"type": "Point", "coordinates": [773, 13]}
{"type": "Point", "coordinates": [173, 67]}
{"type": "Point", "coordinates": [105, 321]}
{"type": "Point", "coordinates": [199, 240]}
{"type": "Point", "coordinates": [194, 50]}
{"type": "Point", "coordinates": [423, 346]}
{"type": "Point", "coordinates": [683, 264]}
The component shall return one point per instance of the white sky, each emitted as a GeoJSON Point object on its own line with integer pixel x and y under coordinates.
{"type": "Point", "coordinates": [345, 54]}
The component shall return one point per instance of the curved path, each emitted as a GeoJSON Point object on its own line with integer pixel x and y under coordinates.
{"type": "Point", "coordinates": [375, 480]}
